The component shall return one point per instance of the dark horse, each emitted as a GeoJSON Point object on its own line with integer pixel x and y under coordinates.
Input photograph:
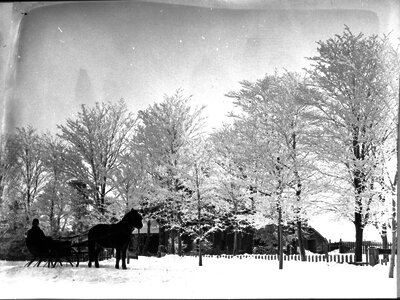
{"type": "Point", "coordinates": [113, 236]}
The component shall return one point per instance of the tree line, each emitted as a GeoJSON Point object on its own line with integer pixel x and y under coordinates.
{"type": "Point", "coordinates": [296, 145]}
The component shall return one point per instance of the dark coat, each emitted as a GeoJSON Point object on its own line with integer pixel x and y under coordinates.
{"type": "Point", "coordinates": [37, 239]}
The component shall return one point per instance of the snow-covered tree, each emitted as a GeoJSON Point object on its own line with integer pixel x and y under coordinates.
{"type": "Point", "coordinates": [7, 161]}
{"type": "Point", "coordinates": [130, 178]}
{"type": "Point", "coordinates": [11, 210]}
{"type": "Point", "coordinates": [274, 132]}
{"type": "Point", "coordinates": [29, 168]}
{"type": "Point", "coordinates": [95, 140]}
{"type": "Point", "coordinates": [54, 203]}
{"type": "Point", "coordinates": [231, 185]}
{"type": "Point", "coordinates": [164, 130]}
{"type": "Point", "coordinates": [203, 210]}
{"type": "Point", "coordinates": [357, 76]}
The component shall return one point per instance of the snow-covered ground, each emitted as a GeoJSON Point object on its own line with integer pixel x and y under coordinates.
{"type": "Point", "coordinates": [181, 277]}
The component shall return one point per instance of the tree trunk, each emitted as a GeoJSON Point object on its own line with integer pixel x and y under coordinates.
{"type": "Point", "coordinates": [359, 187]}
{"type": "Point", "coordinates": [359, 236]}
{"type": "Point", "coordinates": [235, 234]}
{"type": "Point", "coordinates": [235, 242]}
{"type": "Point", "coordinates": [240, 242]}
{"type": "Point", "coordinates": [279, 190]}
{"type": "Point", "coordinates": [298, 200]}
{"type": "Point", "coordinates": [384, 241]}
{"type": "Point", "coordinates": [179, 242]}
{"type": "Point", "coordinates": [200, 255]}
{"type": "Point", "coordinates": [172, 235]}
{"type": "Point", "coordinates": [393, 249]}
{"type": "Point", "coordinates": [394, 240]}
{"type": "Point", "coordinates": [300, 239]}
{"type": "Point", "coordinates": [102, 198]}
{"type": "Point", "coordinates": [200, 230]}
{"type": "Point", "coordinates": [358, 223]}
{"type": "Point", "coordinates": [252, 240]}
{"type": "Point", "coordinates": [51, 217]}
{"type": "Point", "coordinates": [166, 240]}
{"type": "Point", "coordinates": [280, 244]}
{"type": "Point", "coordinates": [161, 235]}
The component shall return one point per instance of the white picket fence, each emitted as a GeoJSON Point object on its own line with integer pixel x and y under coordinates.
{"type": "Point", "coordinates": [338, 258]}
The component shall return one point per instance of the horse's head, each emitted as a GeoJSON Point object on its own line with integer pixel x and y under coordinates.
{"type": "Point", "coordinates": [135, 218]}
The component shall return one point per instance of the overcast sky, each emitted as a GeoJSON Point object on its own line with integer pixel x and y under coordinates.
{"type": "Point", "coordinates": [77, 53]}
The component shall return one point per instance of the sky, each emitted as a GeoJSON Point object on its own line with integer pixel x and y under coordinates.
{"type": "Point", "coordinates": [79, 53]}
{"type": "Point", "coordinates": [76, 53]}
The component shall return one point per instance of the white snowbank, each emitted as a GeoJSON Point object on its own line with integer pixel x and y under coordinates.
{"type": "Point", "coordinates": [181, 277]}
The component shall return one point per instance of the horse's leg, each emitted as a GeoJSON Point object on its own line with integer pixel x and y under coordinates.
{"type": "Point", "coordinates": [96, 256]}
{"type": "Point", "coordinates": [91, 249]}
{"type": "Point", "coordinates": [124, 250]}
{"type": "Point", "coordinates": [117, 256]}
{"type": "Point", "coordinates": [68, 259]}
{"type": "Point", "coordinates": [77, 256]}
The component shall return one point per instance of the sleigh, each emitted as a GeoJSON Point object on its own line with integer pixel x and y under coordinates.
{"type": "Point", "coordinates": [57, 252]}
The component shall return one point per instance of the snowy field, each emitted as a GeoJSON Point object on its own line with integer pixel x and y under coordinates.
{"type": "Point", "coordinates": [181, 277]}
